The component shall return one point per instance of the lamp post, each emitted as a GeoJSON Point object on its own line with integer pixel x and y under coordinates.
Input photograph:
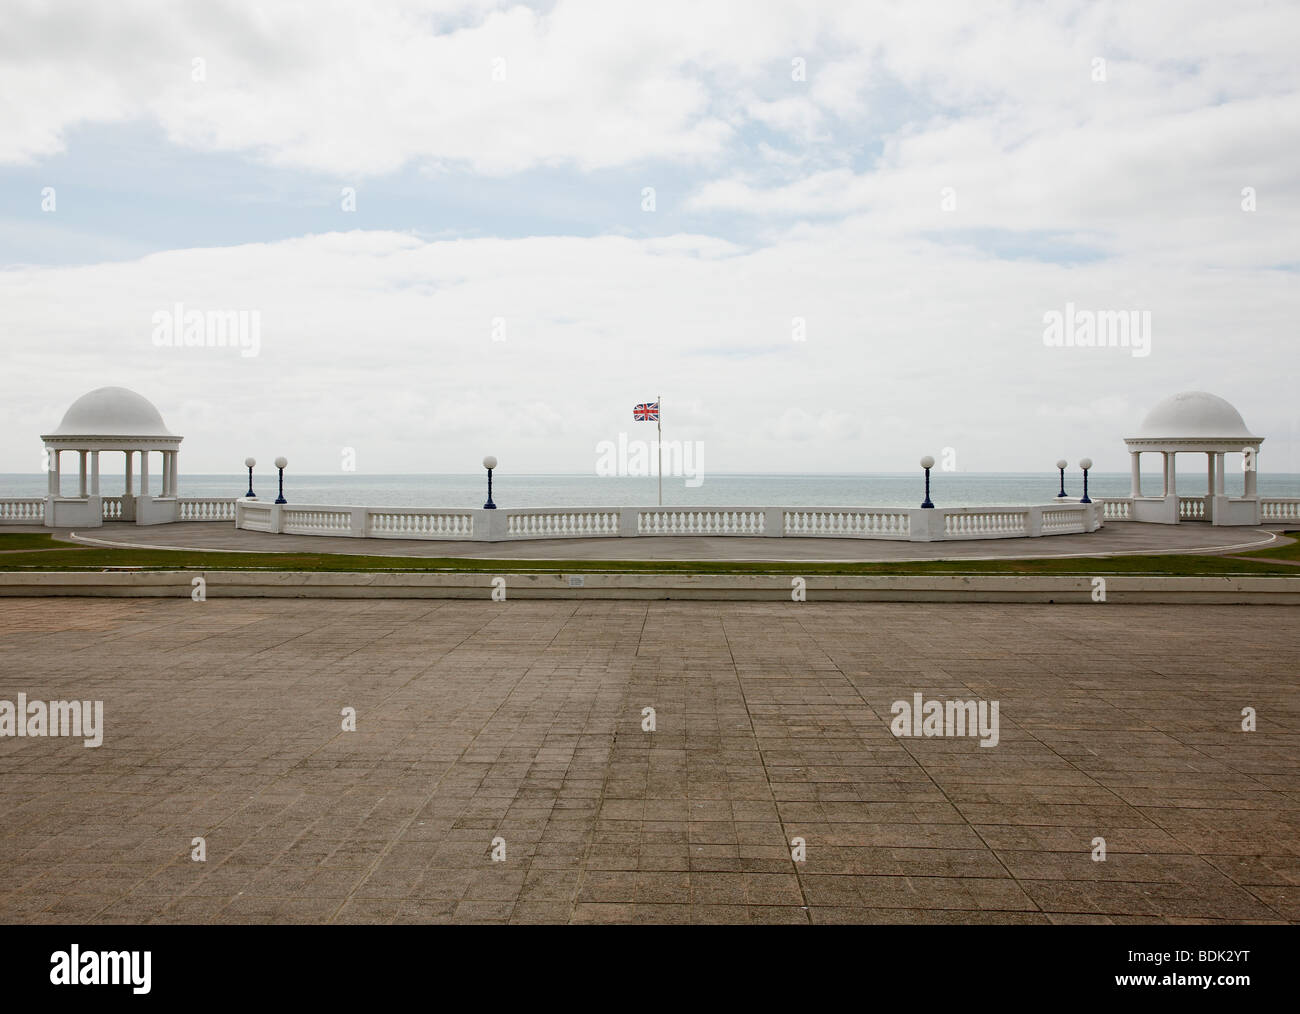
{"type": "Point", "coordinates": [1062, 464]}
{"type": "Point", "coordinates": [249, 463]}
{"type": "Point", "coordinates": [489, 463]}
{"type": "Point", "coordinates": [927, 463]}
{"type": "Point", "coordinates": [281, 463]}
{"type": "Point", "coordinates": [1085, 464]}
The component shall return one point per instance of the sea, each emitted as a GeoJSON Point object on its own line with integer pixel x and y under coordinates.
{"type": "Point", "coordinates": [974, 489]}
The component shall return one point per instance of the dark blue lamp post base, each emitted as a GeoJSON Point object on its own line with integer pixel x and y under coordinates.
{"type": "Point", "coordinates": [927, 504]}
{"type": "Point", "coordinates": [489, 506]}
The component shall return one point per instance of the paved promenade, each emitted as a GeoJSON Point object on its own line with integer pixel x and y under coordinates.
{"type": "Point", "coordinates": [522, 722]}
{"type": "Point", "coordinates": [1114, 538]}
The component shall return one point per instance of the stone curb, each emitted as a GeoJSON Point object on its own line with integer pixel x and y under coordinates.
{"type": "Point", "coordinates": [717, 587]}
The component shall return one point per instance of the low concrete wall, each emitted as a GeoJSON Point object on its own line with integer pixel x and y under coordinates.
{"type": "Point", "coordinates": [720, 587]}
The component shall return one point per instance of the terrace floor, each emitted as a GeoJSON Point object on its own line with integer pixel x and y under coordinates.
{"type": "Point", "coordinates": [522, 722]}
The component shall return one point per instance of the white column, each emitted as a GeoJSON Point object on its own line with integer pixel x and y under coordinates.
{"type": "Point", "coordinates": [1218, 473]}
{"type": "Point", "coordinates": [1164, 476]}
{"type": "Point", "coordinates": [175, 485]}
{"type": "Point", "coordinates": [53, 465]}
{"type": "Point", "coordinates": [144, 473]}
{"type": "Point", "coordinates": [1252, 475]}
{"type": "Point", "coordinates": [130, 473]}
{"type": "Point", "coordinates": [1136, 457]}
{"type": "Point", "coordinates": [94, 473]}
{"type": "Point", "coordinates": [167, 473]}
{"type": "Point", "coordinates": [1173, 475]}
{"type": "Point", "coordinates": [1209, 486]}
{"type": "Point", "coordinates": [81, 474]}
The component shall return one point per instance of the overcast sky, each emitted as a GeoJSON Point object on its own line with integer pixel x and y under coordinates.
{"type": "Point", "coordinates": [918, 183]}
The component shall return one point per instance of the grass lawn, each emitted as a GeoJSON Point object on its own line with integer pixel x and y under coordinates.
{"type": "Point", "coordinates": [41, 552]}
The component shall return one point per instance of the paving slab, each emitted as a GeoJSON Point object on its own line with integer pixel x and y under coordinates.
{"type": "Point", "coordinates": [517, 732]}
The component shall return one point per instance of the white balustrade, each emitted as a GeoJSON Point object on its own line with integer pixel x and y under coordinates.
{"type": "Point", "coordinates": [418, 523]}
{"type": "Point", "coordinates": [612, 522]}
{"type": "Point", "coordinates": [306, 521]}
{"type": "Point", "coordinates": [846, 523]}
{"type": "Point", "coordinates": [969, 523]}
{"type": "Point", "coordinates": [1191, 508]}
{"type": "Point", "coordinates": [695, 521]}
{"type": "Point", "coordinates": [28, 510]}
{"type": "Point", "coordinates": [562, 524]}
{"type": "Point", "coordinates": [1120, 509]}
{"type": "Point", "coordinates": [111, 508]}
{"type": "Point", "coordinates": [1275, 508]}
{"type": "Point", "coordinates": [206, 508]}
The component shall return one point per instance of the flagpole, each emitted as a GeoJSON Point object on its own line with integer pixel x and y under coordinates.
{"type": "Point", "coordinates": [659, 421]}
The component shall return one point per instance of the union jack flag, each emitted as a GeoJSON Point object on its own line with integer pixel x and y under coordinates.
{"type": "Point", "coordinates": [649, 412]}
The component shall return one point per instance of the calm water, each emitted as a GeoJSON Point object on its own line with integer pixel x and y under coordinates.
{"type": "Point", "coordinates": [875, 490]}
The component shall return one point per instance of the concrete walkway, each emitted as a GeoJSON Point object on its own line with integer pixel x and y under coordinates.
{"type": "Point", "coordinates": [522, 723]}
{"type": "Point", "coordinates": [1116, 538]}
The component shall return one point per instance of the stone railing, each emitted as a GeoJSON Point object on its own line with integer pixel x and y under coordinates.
{"type": "Point", "coordinates": [983, 523]}
{"type": "Point", "coordinates": [111, 508]}
{"type": "Point", "coordinates": [26, 510]}
{"type": "Point", "coordinates": [1118, 509]}
{"type": "Point", "coordinates": [205, 508]}
{"type": "Point", "coordinates": [551, 524]}
{"type": "Point", "coordinates": [700, 521]}
{"type": "Point", "coordinates": [508, 524]}
{"type": "Point", "coordinates": [1191, 508]}
{"type": "Point", "coordinates": [847, 524]}
{"type": "Point", "coordinates": [1277, 508]}
{"type": "Point", "coordinates": [315, 521]}
{"type": "Point", "coordinates": [415, 523]}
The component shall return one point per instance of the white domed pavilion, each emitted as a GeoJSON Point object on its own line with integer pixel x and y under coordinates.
{"type": "Point", "coordinates": [1196, 422]}
{"type": "Point", "coordinates": [111, 419]}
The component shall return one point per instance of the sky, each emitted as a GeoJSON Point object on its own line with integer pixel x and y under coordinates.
{"type": "Point", "coordinates": [830, 236]}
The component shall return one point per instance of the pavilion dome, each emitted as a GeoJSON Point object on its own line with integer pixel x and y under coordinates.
{"type": "Point", "coordinates": [1194, 414]}
{"type": "Point", "coordinates": [112, 412]}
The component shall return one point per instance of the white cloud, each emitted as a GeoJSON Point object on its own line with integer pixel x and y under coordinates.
{"type": "Point", "coordinates": [924, 326]}
{"type": "Point", "coordinates": [382, 342]}
{"type": "Point", "coordinates": [346, 88]}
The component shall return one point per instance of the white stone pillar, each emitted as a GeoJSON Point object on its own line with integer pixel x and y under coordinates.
{"type": "Point", "coordinates": [144, 473]}
{"type": "Point", "coordinates": [52, 464]}
{"type": "Point", "coordinates": [81, 474]}
{"type": "Point", "coordinates": [166, 474]}
{"type": "Point", "coordinates": [94, 473]}
{"type": "Point", "coordinates": [1136, 457]}
{"type": "Point", "coordinates": [175, 485]}
{"type": "Point", "coordinates": [1164, 475]}
{"type": "Point", "coordinates": [1219, 479]}
{"type": "Point", "coordinates": [1252, 475]}
{"type": "Point", "coordinates": [1173, 475]}
{"type": "Point", "coordinates": [130, 474]}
